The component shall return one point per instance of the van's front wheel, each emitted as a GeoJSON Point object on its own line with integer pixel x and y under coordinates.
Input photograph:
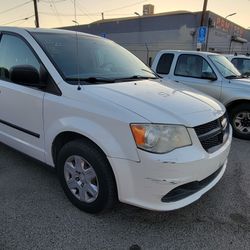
{"type": "Point", "coordinates": [86, 177]}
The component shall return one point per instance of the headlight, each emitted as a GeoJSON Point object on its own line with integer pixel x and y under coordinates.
{"type": "Point", "coordinates": [159, 138]}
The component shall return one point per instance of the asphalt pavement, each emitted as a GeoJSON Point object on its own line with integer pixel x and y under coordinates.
{"type": "Point", "coordinates": [35, 214]}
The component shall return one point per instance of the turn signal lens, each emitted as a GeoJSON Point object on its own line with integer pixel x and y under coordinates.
{"type": "Point", "coordinates": [139, 134]}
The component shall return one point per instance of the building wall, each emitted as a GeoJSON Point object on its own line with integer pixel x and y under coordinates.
{"type": "Point", "coordinates": [220, 36]}
{"type": "Point", "coordinates": [247, 45]}
{"type": "Point", "coordinates": [146, 44]}
{"type": "Point", "coordinates": [146, 35]}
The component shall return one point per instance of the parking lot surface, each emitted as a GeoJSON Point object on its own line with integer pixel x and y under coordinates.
{"type": "Point", "coordinates": [35, 214]}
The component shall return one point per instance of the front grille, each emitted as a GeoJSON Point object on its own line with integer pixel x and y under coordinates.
{"type": "Point", "coordinates": [204, 128]}
{"type": "Point", "coordinates": [214, 134]}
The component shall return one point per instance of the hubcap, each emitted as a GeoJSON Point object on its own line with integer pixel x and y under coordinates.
{"type": "Point", "coordinates": [81, 179]}
{"type": "Point", "coordinates": [242, 122]}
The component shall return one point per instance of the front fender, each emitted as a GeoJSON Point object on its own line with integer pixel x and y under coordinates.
{"type": "Point", "coordinates": [115, 139]}
{"type": "Point", "coordinates": [236, 99]}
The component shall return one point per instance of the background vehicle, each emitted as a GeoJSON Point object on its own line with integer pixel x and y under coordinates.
{"type": "Point", "coordinates": [214, 75]}
{"type": "Point", "coordinates": [241, 62]}
{"type": "Point", "coordinates": [88, 107]}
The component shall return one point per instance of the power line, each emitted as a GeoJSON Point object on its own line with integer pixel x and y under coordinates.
{"type": "Point", "coordinates": [126, 6]}
{"type": "Point", "coordinates": [55, 1]}
{"type": "Point", "coordinates": [15, 7]}
{"type": "Point", "coordinates": [89, 14]}
{"type": "Point", "coordinates": [84, 12]}
{"type": "Point", "coordinates": [22, 19]}
{"type": "Point", "coordinates": [55, 11]}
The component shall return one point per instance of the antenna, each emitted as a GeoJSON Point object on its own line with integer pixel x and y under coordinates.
{"type": "Point", "coordinates": [77, 49]}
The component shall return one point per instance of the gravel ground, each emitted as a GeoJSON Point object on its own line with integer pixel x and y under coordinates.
{"type": "Point", "coordinates": [35, 214]}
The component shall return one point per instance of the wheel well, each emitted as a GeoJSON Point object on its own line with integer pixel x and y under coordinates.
{"type": "Point", "coordinates": [233, 104]}
{"type": "Point", "coordinates": [65, 137]}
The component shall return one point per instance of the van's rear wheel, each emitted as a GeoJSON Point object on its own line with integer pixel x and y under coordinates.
{"type": "Point", "coordinates": [240, 120]}
{"type": "Point", "coordinates": [86, 177]}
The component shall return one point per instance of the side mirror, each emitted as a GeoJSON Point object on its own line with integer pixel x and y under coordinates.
{"type": "Point", "coordinates": [209, 76]}
{"type": "Point", "coordinates": [25, 75]}
{"type": "Point", "coordinates": [44, 76]}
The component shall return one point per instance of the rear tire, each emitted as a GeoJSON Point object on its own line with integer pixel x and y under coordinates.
{"type": "Point", "coordinates": [86, 177]}
{"type": "Point", "coordinates": [240, 121]}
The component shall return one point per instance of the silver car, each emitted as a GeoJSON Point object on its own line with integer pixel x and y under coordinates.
{"type": "Point", "coordinates": [214, 75]}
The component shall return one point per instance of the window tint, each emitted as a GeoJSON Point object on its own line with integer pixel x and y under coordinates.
{"type": "Point", "coordinates": [89, 56]}
{"type": "Point", "coordinates": [14, 51]}
{"type": "Point", "coordinates": [193, 66]}
{"type": "Point", "coordinates": [165, 63]}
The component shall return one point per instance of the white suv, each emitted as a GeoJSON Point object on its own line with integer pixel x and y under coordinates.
{"type": "Point", "coordinates": [89, 108]}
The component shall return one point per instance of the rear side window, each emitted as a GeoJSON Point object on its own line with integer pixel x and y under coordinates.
{"type": "Point", "coordinates": [165, 63]}
{"type": "Point", "coordinates": [193, 66]}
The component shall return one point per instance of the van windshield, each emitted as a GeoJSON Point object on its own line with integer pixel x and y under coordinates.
{"type": "Point", "coordinates": [226, 68]}
{"type": "Point", "coordinates": [92, 59]}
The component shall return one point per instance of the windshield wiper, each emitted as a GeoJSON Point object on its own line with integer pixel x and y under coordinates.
{"type": "Point", "coordinates": [245, 76]}
{"type": "Point", "coordinates": [91, 80]}
{"type": "Point", "coordinates": [97, 80]}
{"type": "Point", "coordinates": [152, 72]}
{"type": "Point", "coordinates": [235, 77]}
{"type": "Point", "coordinates": [136, 77]}
{"type": "Point", "coordinates": [231, 77]}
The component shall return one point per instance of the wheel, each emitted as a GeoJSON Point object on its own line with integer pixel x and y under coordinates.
{"type": "Point", "coordinates": [240, 120]}
{"type": "Point", "coordinates": [86, 177]}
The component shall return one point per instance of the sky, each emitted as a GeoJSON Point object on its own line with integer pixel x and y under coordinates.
{"type": "Point", "coordinates": [58, 13]}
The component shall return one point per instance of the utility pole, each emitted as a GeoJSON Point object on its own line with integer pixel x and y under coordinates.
{"type": "Point", "coordinates": [36, 14]}
{"type": "Point", "coordinates": [204, 12]}
{"type": "Point", "coordinates": [203, 31]}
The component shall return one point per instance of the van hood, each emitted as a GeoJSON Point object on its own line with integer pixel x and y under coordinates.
{"type": "Point", "coordinates": [169, 103]}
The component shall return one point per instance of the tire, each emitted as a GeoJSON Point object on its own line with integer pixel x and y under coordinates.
{"type": "Point", "coordinates": [86, 177]}
{"type": "Point", "coordinates": [240, 121]}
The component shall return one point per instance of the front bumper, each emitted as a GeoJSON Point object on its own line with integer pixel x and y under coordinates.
{"type": "Point", "coordinates": [146, 183]}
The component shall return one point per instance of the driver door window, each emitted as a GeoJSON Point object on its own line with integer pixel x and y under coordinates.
{"type": "Point", "coordinates": [14, 52]}
{"type": "Point", "coordinates": [193, 66]}
{"type": "Point", "coordinates": [195, 72]}
{"type": "Point", "coordinates": [21, 112]}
